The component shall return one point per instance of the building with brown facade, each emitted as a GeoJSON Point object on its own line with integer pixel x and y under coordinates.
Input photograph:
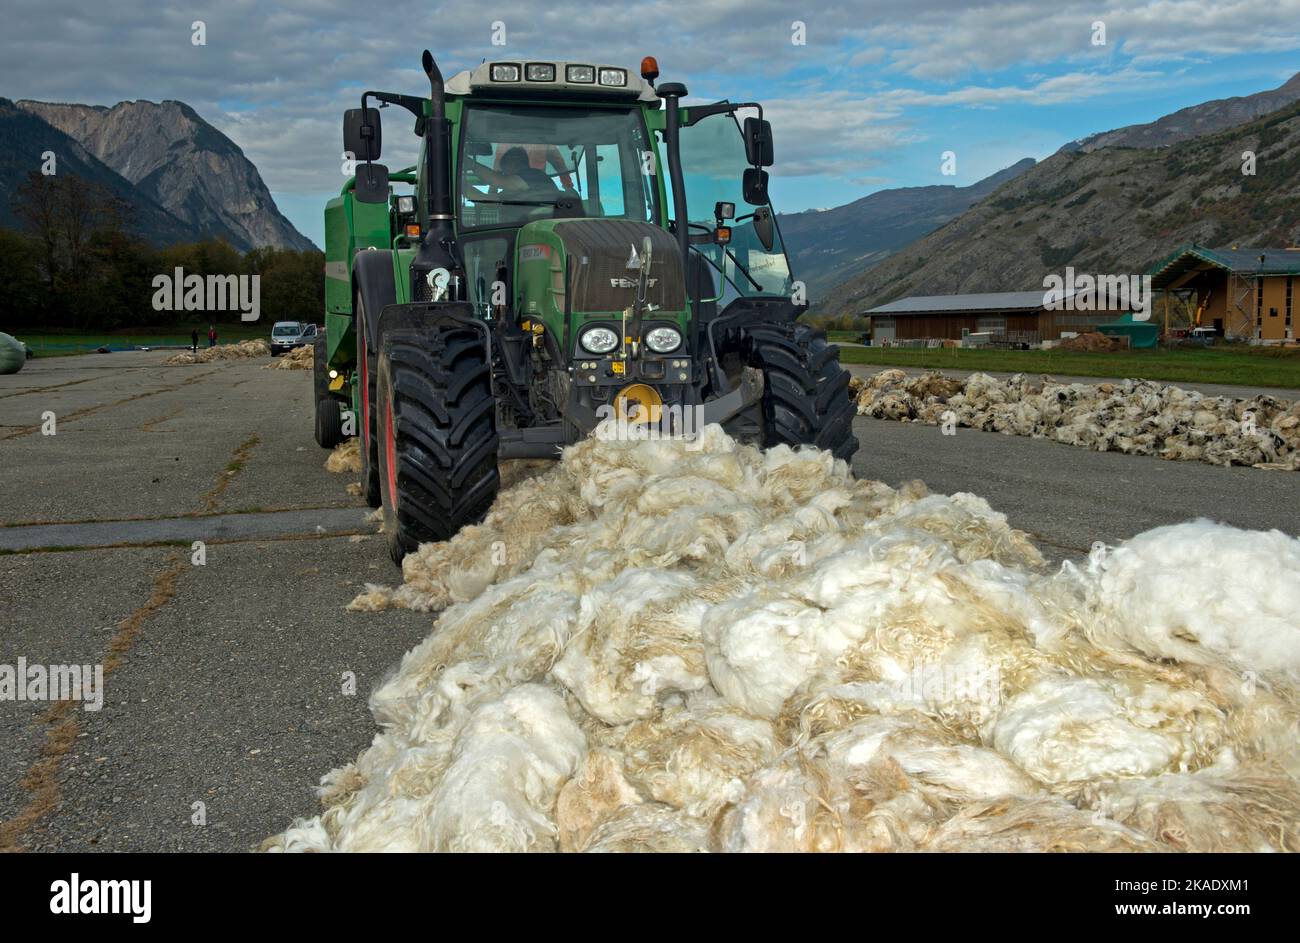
{"type": "Point", "coordinates": [1015, 317]}
{"type": "Point", "coordinates": [1246, 294]}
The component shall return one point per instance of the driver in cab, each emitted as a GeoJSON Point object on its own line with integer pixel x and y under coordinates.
{"type": "Point", "coordinates": [516, 176]}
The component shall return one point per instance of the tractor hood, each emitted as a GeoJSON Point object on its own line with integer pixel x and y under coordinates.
{"type": "Point", "coordinates": [590, 267]}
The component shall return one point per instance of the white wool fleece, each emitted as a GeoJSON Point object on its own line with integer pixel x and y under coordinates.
{"type": "Point", "coordinates": [1202, 593]}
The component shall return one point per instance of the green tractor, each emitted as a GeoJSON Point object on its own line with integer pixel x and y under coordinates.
{"type": "Point", "coordinates": [568, 249]}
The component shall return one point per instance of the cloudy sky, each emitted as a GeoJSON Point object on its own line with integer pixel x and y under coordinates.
{"type": "Point", "coordinates": [872, 97]}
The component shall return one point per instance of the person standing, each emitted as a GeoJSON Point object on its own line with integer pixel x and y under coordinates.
{"type": "Point", "coordinates": [212, 335]}
{"type": "Point", "coordinates": [194, 340]}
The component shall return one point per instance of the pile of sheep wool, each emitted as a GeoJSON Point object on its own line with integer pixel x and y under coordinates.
{"type": "Point", "coordinates": [1136, 416]}
{"type": "Point", "coordinates": [346, 457]}
{"type": "Point", "coordinates": [672, 646]}
{"type": "Point", "coordinates": [300, 358]}
{"type": "Point", "coordinates": [244, 350]}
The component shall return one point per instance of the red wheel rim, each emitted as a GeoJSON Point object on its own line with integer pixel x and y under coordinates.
{"type": "Point", "coordinates": [365, 398]}
{"type": "Point", "coordinates": [390, 453]}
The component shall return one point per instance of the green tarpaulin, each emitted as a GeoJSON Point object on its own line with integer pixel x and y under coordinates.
{"type": "Point", "coordinates": [1142, 335]}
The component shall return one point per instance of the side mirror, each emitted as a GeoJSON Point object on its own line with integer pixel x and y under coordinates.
{"type": "Point", "coordinates": [758, 142]}
{"type": "Point", "coordinates": [764, 227]}
{"type": "Point", "coordinates": [754, 186]}
{"type": "Point", "coordinates": [361, 133]}
{"type": "Point", "coordinates": [372, 183]}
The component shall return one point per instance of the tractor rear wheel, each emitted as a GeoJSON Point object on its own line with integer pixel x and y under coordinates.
{"type": "Point", "coordinates": [436, 420]}
{"type": "Point", "coordinates": [806, 394]}
{"type": "Point", "coordinates": [366, 421]}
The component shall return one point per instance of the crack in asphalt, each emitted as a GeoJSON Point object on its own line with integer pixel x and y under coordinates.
{"type": "Point", "coordinates": [55, 386]}
{"type": "Point", "coordinates": [91, 410]}
{"type": "Point", "coordinates": [176, 517]}
{"type": "Point", "coordinates": [236, 465]}
{"type": "Point", "coordinates": [182, 530]}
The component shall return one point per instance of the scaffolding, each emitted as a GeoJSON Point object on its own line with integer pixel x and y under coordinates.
{"type": "Point", "coordinates": [1239, 318]}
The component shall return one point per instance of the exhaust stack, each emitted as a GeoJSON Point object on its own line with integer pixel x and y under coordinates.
{"type": "Point", "coordinates": [438, 249]}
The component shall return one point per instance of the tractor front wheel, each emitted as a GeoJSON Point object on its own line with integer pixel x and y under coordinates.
{"type": "Point", "coordinates": [806, 394]}
{"type": "Point", "coordinates": [437, 439]}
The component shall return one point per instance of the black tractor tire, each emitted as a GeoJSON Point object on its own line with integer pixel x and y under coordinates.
{"type": "Point", "coordinates": [806, 392]}
{"type": "Point", "coordinates": [329, 418]}
{"type": "Point", "coordinates": [329, 422]}
{"type": "Point", "coordinates": [320, 371]}
{"type": "Point", "coordinates": [365, 423]}
{"type": "Point", "coordinates": [436, 420]}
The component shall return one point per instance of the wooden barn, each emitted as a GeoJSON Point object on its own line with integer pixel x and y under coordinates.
{"type": "Point", "coordinates": [1016, 317]}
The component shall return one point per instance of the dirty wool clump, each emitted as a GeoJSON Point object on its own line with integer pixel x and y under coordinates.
{"type": "Point", "coordinates": [1139, 417]}
{"type": "Point", "coordinates": [346, 457]}
{"type": "Point", "coordinates": [671, 646]}
{"type": "Point", "coordinates": [300, 358]}
{"type": "Point", "coordinates": [244, 350]}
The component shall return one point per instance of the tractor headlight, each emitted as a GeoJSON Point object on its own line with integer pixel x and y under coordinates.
{"type": "Point", "coordinates": [598, 340]}
{"type": "Point", "coordinates": [580, 74]}
{"type": "Point", "coordinates": [540, 71]}
{"type": "Point", "coordinates": [663, 340]}
{"type": "Point", "coordinates": [406, 205]}
{"type": "Point", "coordinates": [505, 72]}
{"type": "Point", "coordinates": [613, 77]}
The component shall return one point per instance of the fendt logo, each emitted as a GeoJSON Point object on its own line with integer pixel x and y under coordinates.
{"type": "Point", "coordinates": [618, 282]}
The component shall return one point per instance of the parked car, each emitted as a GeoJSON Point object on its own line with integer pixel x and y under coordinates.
{"type": "Point", "coordinates": [286, 335]}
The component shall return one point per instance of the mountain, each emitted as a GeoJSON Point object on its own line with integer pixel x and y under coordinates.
{"type": "Point", "coordinates": [827, 246]}
{"type": "Point", "coordinates": [183, 164]}
{"type": "Point", "coordinates": [28, 137]}
{"type": "Point", "coordinates": [1197, 120]}
{"type": "Point", "coordinates": [1110, 210]}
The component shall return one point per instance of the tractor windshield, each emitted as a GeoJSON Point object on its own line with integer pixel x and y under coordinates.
{"type": "Point", "coordinates": [713, 164]}
{"type": "Point", "coordinates": [518, 161]}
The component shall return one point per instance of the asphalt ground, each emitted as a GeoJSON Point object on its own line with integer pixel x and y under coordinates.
{"type": "Point", "coordinates": [225, 682]}
{"type": "Point", "coordinates": [230, 676]}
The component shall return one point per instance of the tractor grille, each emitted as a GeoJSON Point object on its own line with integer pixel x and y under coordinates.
{"type": "Point", "coordinates": [598, 251]}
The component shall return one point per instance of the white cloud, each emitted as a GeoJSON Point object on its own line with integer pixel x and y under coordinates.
{"type": "Point", "coordinates": [276, 78]}
{"type": "Point", "coordinates": [939, 40]}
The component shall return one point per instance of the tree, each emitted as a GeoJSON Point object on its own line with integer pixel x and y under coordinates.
{"type": "Point", "coordinates": [64, 213]}
{"type": "Point", "coordinates": [21, 286]}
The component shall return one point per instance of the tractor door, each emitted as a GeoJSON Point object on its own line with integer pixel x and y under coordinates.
{"type": "Point", "coordinates": [754, 262]}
